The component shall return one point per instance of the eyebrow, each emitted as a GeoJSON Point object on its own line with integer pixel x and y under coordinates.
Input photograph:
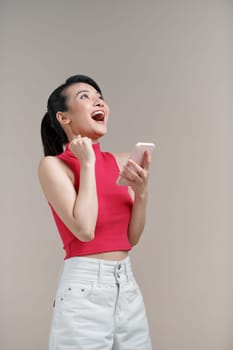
{"type": "Point", "coordinates": [81, 91]}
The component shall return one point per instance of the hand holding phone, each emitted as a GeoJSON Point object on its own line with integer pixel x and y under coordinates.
{"type": "Point", "coordinates": [137, 156]}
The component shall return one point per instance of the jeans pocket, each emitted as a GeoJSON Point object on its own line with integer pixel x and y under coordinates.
{"type": "Point", "coordinates": [74, 291]}
{"type": "Point", "coordinates": [70, 299]}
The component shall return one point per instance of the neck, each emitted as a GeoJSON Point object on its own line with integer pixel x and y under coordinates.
{"type": "Point", "coordinates": [93, 140]}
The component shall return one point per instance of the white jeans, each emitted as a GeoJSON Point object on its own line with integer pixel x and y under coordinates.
{"type": "Point", "coordinates": [98, 306]}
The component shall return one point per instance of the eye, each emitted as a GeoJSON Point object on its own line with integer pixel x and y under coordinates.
{"type": "Point", "coordinates": [84, 96]}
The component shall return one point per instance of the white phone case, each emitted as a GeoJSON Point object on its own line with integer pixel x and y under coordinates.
{"type": "Point", "coordinates": [137, 155]}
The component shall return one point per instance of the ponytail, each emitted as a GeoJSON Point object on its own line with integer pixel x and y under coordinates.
{"type": "Point", "coordinates": [53, 136]}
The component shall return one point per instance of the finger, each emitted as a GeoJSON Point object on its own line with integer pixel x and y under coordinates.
{"type": "Point", "coordinates": [131, 174]}
{"type": "Point", "coordinates": [139, 172]}
{"type": "Point", "coordinates": [76, 138]}
{"type": "Point", "coordinates": [133, 165]}
{"type": "Point", "coordinates": [128, 177]}
{"type": "Point", "coordinates": [74, 141]}
{"type": "Point", "coordinates": [146, 160]}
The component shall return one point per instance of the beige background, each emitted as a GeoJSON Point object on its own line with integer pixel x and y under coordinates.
{"type": "Point", "coordinates": [165, 68]}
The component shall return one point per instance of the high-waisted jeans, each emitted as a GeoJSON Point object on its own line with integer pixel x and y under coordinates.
{"type": "Point", "coordinates": [98, 306]}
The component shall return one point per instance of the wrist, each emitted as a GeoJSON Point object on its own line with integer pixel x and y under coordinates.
{"type": "Point", "coordinates": [141, 196]}
{"type": "Point", "coordinates": [87, 164]}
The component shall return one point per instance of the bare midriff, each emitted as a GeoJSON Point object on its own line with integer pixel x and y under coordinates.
{"type": "Point", "coordinates": [115, 255]}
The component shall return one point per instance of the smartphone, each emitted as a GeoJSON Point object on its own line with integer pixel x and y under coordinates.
{"type": "Point", "coordinates": [137, 155]}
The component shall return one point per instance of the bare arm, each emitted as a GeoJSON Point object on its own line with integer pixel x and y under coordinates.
{"type": "Point", "coordinates": [137, 178]}
{"type": "Point", "coordinates": [77, 210]}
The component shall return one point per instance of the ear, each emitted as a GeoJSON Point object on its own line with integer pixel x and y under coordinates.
{"type": "Point", "coordinates": [63, 118]}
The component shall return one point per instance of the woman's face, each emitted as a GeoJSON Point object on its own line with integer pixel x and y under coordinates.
{"type": "Point", "coordinates": [87, 111]}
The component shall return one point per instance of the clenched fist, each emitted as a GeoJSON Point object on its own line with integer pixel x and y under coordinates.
{"type": "Point", "coordinates": [82, 149]}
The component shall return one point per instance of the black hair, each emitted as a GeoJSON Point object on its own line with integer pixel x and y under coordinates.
{"type": "Point", "coordinates": [52, 134]}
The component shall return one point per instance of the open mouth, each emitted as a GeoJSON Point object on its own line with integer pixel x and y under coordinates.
{"type": "Point", "coordinates": [98, 116]}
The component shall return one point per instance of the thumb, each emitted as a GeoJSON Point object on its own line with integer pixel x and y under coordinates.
{"type": "Point", "coordinates": [146, 160]}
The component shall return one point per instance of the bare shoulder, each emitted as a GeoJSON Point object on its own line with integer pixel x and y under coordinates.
{"type": "Point", "coordinates": [121, 158]}
{"type": "Point", "coordinates": [50, 165]}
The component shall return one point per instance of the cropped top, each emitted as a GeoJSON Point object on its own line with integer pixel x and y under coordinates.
{"type": "Point", "coordinates": [114, 208]}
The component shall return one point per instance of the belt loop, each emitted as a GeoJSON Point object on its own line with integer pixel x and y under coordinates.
{"type": "Point", "coordinates": [100, 272]}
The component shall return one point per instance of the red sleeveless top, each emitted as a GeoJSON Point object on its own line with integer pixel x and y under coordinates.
{"type": "Point", "coordinates": [114, 208]}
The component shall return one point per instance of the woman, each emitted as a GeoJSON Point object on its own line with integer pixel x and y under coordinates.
{"type": "Point", "coordinates": [98, 303]}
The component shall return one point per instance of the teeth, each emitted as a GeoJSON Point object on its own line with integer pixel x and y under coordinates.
{"type": "Point", "coordinates": [97, 112]}
{"type": "Point", "coordinates": [98, 116]}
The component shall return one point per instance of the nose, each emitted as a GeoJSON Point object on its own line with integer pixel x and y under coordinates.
{"type": "Point", "coordinates": [99, 102]}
